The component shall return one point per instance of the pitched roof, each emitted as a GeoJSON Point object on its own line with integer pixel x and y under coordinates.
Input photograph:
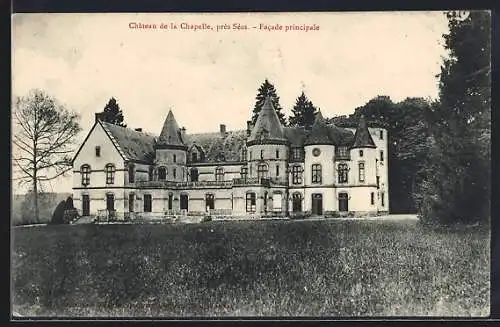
{"type": "Point", "coordinates": [362, 137]}
{"type": "Point", "coordinates": [170, 133]}
{"type": "Point", "coordinates": [132, 145]}
{"type": "Point", "coordinates": [320, 132]}
{"type": "Point", "coordinates": [267, 126]}
{"type": "Point", "coordinates": [219, 147]}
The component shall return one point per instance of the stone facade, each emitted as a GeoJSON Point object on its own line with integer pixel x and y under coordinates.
{"type": "Point", "coordinates": [266, 170]}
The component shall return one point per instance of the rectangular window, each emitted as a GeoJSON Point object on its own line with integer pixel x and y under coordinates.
{"type": "Point", "coordinates": [381, 135]}
{"type": "Point", "coordinates": [209, 202]}
{"type": "Point", "coordinates": [85, 171]}
{"type": "Point", "coordinates": [342, 151]}
{"type": "Point", "coordinates": [297, 175]}
{"type": "Point", "coordinates": [277, 154]}
{"type": "Point", "coordinates": [360, 153]}
{"type": "Point", "coordinates": [147, 202]}
{"type": "Point", "coordinates": [361, 171]}
{"type": "Point", "coordinates": [175, 158]}
{"type": "Point", "coordinates": [381, 155]}
{"type": "Point", "coordinates": [382, 198]}
{"type": "Point", "coordinates": [372, 198]}
{"type": "Point", "coordinates": [110, 174]}
{"type": "Point", "coordinates": [244, 173]}
{"type": "Point", "coordinates": [131, 174]}
{"type": "Point", "coordinates": [277, 202]}
{"type": "Point", "coordinates": [174, 172]}
{"type": "Point", "coordinates": [250, 155]}
{"type": "Point", "coordinates": [250, 202]}
{"type": "Point", "coordinates": [97, 151]}
{"type": "Point", "coordinates": [262, 154]}
{"type": "Point", "coordinates": [378, 181]}
{"type": "Point", "coordinates": [343, 173]}
{"type": "Point", "coordinates": [277, 170]}
{"type": "Point", "coordinates": [250, 170]}
{"type": "Point", "coordinates": [194, 157]}
{"type": "Point", "coordinates": [170, 198]}
{"type": "Point", "coordinates": [316, 173]}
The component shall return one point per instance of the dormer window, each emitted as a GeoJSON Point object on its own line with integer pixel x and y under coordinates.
{"type": "Point", "coordinates": [97, 151]}
{"type": "Point", "coordinates": [194, 157]}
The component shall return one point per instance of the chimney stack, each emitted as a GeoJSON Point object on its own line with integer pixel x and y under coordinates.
{"type": "Point", "coordinates": [222, 129]}
{"type": "Point", "coordinates": [138, 129]}
{"type": "Point", "coordinates": [249, 127]}
{"type": "Point", "coordinates": [98, 116]}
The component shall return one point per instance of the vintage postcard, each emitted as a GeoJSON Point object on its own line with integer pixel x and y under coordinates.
{"type": "Point", "coordinates": [280, 165]}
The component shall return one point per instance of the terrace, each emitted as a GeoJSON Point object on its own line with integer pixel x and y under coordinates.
{"type": "Point", "coordinates": [267, 182]}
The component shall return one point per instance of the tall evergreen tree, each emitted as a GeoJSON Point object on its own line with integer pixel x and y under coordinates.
{"type": "Point", "coordinates": [112, 113]}
{"type": "Point", "coordinates": [303, 112]}
{"type": "Point", "coordinates": [267, 89]}
{"type": "Point", "coordinates": [456, 182]}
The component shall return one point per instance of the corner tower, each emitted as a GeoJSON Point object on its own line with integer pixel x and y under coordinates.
{"type": "Point", "coordinates": [366, 197]}
{"type": "Point", "coordinates": [170, 150]}
{"type": "Point", "coordinates": [267, 145]}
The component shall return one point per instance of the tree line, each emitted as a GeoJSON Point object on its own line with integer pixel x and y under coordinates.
{"type": "Point", "coordinates": [439, 150]}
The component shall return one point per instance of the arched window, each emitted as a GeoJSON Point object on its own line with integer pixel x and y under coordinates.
{"type": "Point", "coordinates": [361, 167]}
{"type": "Point", "coordinates": [342, 169]}
{"type": "Point", "coordinates": [316, 173]}
{"type": "Point", "coordinates": [110, 174]}
{"type": "Point", "coordinates": [209, 201]}
{"type": "Point", "coordinates": [262, 170]}
{"type": "Point", "coordinates": [297, 174]}
{"type": "Point", "coordinates": [85, 171]}
{"type": "Point", "coordinates": [219, 174]}
{"type": "Point", "coordinates": [250, 202]}
{"type": "Point", "coordinates": [162, 173]}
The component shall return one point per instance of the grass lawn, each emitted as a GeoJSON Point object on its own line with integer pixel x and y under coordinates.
{"type": "Point", "coordinates": [249, 268]}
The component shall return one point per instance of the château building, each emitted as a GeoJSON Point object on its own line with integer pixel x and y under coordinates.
{"type": "Point", "coordinates": [265, 170]}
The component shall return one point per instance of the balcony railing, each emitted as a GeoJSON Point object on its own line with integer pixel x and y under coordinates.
{"type": "Point", "coordinates": [170, 184]}
{"type": "Point", "coordinates": [339, 156]}
{"type": "Point", "coordinates": [259, 181]}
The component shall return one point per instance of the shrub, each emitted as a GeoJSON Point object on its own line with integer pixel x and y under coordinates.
{"type": "Point", "coordinates": [206, 218]}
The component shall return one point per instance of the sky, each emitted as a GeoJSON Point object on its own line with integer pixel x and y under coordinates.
{"type": "Point", "coordinates": [209, 77]}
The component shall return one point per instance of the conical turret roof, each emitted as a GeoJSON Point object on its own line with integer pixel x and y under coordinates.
{"type": "Point", "coordinates": [170, 134]}
{"type": "Point", "coordinates": [267, 126]}
{"type": "Point", "coordinates": [320, 133]}
{"type": "Point", "coordinates": [362, 137]}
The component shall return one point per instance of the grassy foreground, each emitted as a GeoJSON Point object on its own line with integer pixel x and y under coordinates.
{"type": "Point", "coordinates": [263, 268]}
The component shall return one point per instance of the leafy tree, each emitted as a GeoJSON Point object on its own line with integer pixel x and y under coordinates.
{"type": "Point", "coordinates": [44, 132]}
{"type": "Point", "coordinates": [267, 89]}
{"type": "Point", "coordinates": [303, 112]}
{"type": "Point", "coordinates": [455, 186]}
{"type": "Point", "coordinates": [112, 113]}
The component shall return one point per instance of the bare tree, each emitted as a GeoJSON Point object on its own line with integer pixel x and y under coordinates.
{"type": "Point", "coordinates": [44, 134]}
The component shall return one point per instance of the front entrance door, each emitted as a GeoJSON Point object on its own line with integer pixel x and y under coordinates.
{"type": "Point", "coordinates": [317, 204]}
{"type": "Point", "coordinates": [296, 202]}
{"type": "Point", "coordinates": [184, 202]}
{"type": "Point", "coordinates": [343, 202]}
{"type": "Point", "coordinates": [85, 205]}
{"type": "Point", "coordinates": [110, 202]}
